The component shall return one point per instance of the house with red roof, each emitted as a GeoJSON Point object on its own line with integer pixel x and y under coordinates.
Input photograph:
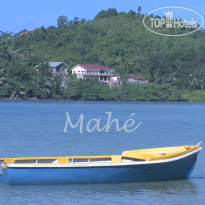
{"type": "Point", "coordinates": [85, 71]}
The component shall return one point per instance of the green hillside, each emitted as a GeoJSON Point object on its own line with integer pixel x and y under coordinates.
{"type": "Point", "coordinates": [174, 66]}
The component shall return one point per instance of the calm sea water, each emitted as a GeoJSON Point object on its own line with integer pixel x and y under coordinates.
{"type": "Point", "coordinates": [36, 129]}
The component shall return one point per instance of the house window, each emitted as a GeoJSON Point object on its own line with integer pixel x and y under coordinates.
{"type": "Point", "coordinates": [58, 69]}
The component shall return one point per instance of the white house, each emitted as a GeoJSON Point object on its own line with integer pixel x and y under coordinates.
{"type": "Point", "coordinates": [84, 71]}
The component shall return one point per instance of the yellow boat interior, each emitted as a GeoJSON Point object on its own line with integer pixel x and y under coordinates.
{"type": "Point", "coordinates": [126, 157]}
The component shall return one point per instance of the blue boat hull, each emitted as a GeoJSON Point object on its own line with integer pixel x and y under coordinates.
{"type": "Point", "coordinates": [176, 169]}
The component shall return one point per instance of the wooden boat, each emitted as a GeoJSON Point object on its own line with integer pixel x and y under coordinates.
{"type": "Point", "coordinates": [132, 166]}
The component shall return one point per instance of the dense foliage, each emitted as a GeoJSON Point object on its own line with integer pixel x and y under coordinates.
{"type": "Point", "coordinates": [174, 66]}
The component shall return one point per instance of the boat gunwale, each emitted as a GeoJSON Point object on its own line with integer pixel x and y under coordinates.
{"type": "Point", "coordinates": [105, 164]}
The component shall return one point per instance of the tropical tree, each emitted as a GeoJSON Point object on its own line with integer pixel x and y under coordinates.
{"type": "Point", "coordinates": [62, 21]}
{"type": "Point", "coordinates": [139, 9]}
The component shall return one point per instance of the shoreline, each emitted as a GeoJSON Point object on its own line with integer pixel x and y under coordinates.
{"type": "Point", "coordinates": [70, 100]}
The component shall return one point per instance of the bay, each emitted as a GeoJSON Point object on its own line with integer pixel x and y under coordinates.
{"type": "Point", "coordinates": [37, 129]}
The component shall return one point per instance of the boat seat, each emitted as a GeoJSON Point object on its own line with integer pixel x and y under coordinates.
{"type": "Point", "coordinates": [137, 156]}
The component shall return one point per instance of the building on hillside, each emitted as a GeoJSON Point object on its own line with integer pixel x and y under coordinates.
{"type": "Point", "coordinates": [115, 81]}
{"type": "Point", "coordinates": [58, 68]}
{"type": "Point", "coordinates": [85, 71]}
{"type": "Point", "coordinates": [136, 79]}
{"type": "Point", "coordinates": [26, 32]}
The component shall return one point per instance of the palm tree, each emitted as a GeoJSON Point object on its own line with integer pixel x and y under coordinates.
{"type": "Point", "coordinates": [139, 9]}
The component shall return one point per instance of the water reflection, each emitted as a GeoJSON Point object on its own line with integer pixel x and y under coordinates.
{"type": "Point", "coordinates": [113, 192]}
